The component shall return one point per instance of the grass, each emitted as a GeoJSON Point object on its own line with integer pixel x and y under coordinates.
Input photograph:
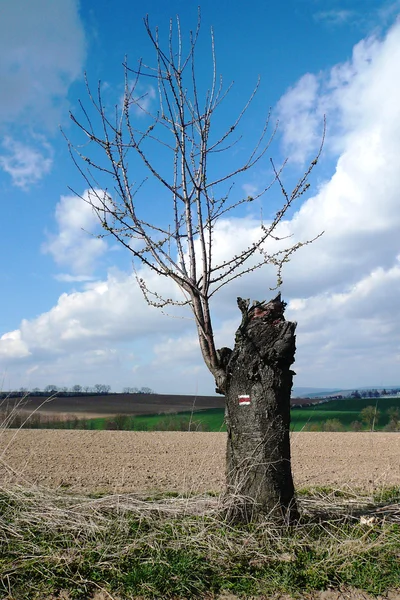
{"type": "Point", "coordinates": [183, 548]}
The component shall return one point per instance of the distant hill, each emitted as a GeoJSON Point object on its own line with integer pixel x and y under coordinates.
{"type": "Point", "coordinates": [313, 391]}
{"type": "Point", "coordinates": [113, 404]}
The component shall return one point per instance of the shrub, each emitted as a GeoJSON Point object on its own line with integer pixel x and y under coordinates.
{"type": "Point", "coordinates": [393, 425]}
{"type": "Point", "coordinates": [312, 427]}
{"type": "Point", "coordinates": [122, 422]}
{"type": "Point", "coordinates": [356, 426]}
{"type": "Point", "coordinates": [333, 425]}
{"type": "Point", "coordinates": [393, 413]}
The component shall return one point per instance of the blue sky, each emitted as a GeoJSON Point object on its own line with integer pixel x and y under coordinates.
{"type": "Point", "coordinates": [70, 309]}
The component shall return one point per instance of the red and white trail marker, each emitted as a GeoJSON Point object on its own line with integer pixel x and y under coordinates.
{"type": "Point", "coordinates": [244, 400]}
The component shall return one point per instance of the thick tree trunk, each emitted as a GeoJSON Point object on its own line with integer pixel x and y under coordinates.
{"type": "Point", "coordinates": [257, 390]}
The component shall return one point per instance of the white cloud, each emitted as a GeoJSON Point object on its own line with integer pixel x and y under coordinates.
{"type": "Point", "coordinates": [42, 52]}
{"type": "Point", "coordinates": [184, 350]}
{"type": "Point", "coordinates": [343, 289]}
{"type": "Point", "coordinates": [68, 278]}
{"type": "Point", "coordinates": [105, 332]}
{"type": "Point", "coordinates": [42, 49]}
{"type": "Point", "coordinates": [144, 97]}
{"type": "Point", "coordinates": [300, 117]}
{"type": "Point", "coordinates": [356, 333]}
{"type": "Point", "coordinates": [335, 17]}
{"type": "Point", "coordinates": [352, 96]}
{"type": "Point", "coordinates": [75, 244]}
{"type": "Point", "coordinates": [12, 346]}
{"type": "Point", "coordinates": [250, 189]}
{"type": "Point", "coordinates": [25, 164]}
{"type": "Point", "coordinates": [107, 311]}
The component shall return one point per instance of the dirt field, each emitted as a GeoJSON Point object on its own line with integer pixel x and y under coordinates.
{"type": "Point", "coordinates": [120, 461]}
{"type": "Point", "coordinates": [112, 404]}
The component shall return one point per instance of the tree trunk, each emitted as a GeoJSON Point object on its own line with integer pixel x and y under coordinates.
{"type": "Point", "coordinates": [257, 390]}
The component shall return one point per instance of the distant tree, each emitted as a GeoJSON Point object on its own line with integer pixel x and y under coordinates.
{"type": "Point", "coordinates": [146, 390]}
{"type": "Point", "coordinates": [100, 388]}
{"type": "Point", "coordinates": [355, 394]}
{"type": "Point", "coordinates": [370, 416]}
{"type": "Point", "coordinates": [87, 389]}
{"type": "Point", "coordinates": [50, 389]}
{"type": "Point", "coordinates": [130, 390]}
{"type": "Point", "coordinates": [77, 389]}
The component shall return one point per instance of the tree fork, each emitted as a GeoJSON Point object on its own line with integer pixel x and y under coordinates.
{"type": "Point", "coordinates": [257, 389]}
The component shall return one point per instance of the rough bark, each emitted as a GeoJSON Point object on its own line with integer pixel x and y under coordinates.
{"type": "Point", "coordinates": [259, 476]}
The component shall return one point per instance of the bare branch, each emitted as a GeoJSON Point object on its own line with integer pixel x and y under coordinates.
{"type": "Point", "coordinates": [177, 145]}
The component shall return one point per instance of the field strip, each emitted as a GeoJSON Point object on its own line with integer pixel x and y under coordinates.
{"type": "Point", "coordinates": [123, 461]}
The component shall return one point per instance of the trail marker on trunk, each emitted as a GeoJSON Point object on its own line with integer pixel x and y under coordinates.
{"type": "Point", "coordinates": [244, 400]}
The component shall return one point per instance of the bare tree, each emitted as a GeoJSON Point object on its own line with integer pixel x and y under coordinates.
{"type": "Point", "coordinates": [180, 146]}
{"type": "Point", "coordinates": [50, 389]}
{"type": "Point", "coordinates": [100, 388]}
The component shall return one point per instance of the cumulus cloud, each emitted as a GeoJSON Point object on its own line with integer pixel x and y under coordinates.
{"type": "Point", "coordinates": [344, 287]}
{"type": "Point", "coordinates": [356, 333]}
{"type": "Point", "coordinates": [358, 207]}
{"type": "Point", "coordinates": [352, 96]}
{"type": "Point", "coordinates": [110, 310]}
{"type": "Point", "coordinates": [42, 52]}
{"type": "Point", "coordinates": [42, 48]}
{"type": "Point", "coordinates": [25, 164]}
{"type": "Point", "coordinates": [75, 244]}
{"type": "Point", "coordinates": [346, 284]}
{"type": "Point", "coordinates": [300, 114]}
{"type": "Point", "coordinates": [12, 346]}
{"type": "Point", "coordinates": [105, 331]}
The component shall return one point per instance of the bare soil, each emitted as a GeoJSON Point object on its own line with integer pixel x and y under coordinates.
{"type": "Point", "coordinates": [112, 404]}
{"type": "Point", "coordinates": [149, 462]}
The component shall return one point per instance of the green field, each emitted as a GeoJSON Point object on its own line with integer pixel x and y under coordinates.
{"type": "Point", "coordinates": [346, 411]}
{"type": "Point", "coordinates": [315, 418]}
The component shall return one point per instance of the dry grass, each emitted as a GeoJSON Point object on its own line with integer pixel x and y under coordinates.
{"type": "Point", "coordinates": [81, 544]}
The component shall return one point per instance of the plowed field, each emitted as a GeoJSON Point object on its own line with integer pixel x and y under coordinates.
{"type": "Point", "coordinates": [143, 462]}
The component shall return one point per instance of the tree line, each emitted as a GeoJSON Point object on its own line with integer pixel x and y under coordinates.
{"type": "Point", "coordinates": [75, 390]}
{"type": "Point", "coordinates": [373, 393]}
